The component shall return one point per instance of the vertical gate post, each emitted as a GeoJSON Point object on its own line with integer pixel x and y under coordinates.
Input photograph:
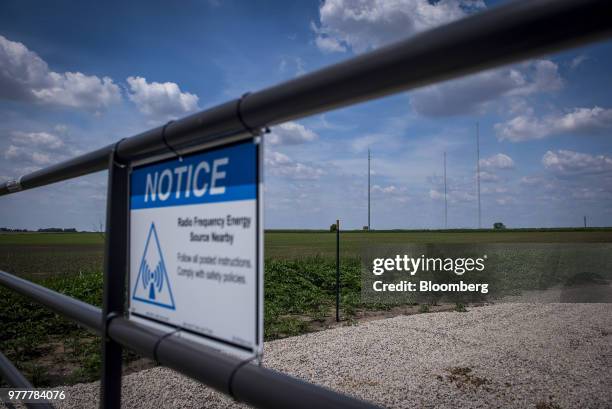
{"type": "Point", "coordinates": [115, 267]}
{"type": "Point", "coordinates": [337, 270]}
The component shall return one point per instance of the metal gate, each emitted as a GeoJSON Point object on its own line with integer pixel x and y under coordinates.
{"type": "Point", "coordinates": [502, 35]}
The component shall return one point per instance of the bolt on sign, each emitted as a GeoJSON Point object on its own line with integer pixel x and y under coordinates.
{"type": "Point", "coordinates": [196, 239]}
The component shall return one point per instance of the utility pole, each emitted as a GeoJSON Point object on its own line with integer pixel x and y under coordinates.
{"type": "Point", "coordinates": [478, 173]}
{"type": "Point", "coordinates": [369, 158]}
{"type": "Point", "coordinates": [585, 224]}
{"type": "Point", "coordinates": [445, 201]}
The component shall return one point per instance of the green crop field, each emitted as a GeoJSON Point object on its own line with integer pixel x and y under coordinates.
{"type": "Point", "coordinates": [299, 288]}
{"type": "Point", "coordinates": [283, 244]}
{"type": "Point", "coordinates": [74, 252]}
{"type": "Point", "coordinates": [56, 239]}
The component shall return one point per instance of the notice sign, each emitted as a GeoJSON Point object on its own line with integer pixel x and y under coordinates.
{"type": "Point", "coordinates": [195, 246]}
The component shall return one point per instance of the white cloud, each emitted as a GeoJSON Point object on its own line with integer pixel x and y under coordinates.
{"type": "Point", "coordinates": [391, 138]}
{"type": "Point", "coordinates": [296, 62]}
{"type": "Point", "coordinates": [274, 158]}
{"type": "Point", "coordinates": [578, 120]}
{"type": "Point", "coordinates": [28, 151]}
{"type": "Point", "coordinates": [25, 155]}
{"type": "Point", "coordinates": [37, 139]}
{"type": "Point", "coordinates": [505, 200]}
{"type": "Point", "coordinates": [488, 177]}
{"type": "Point", "coordinates": [25, 76]}
{"type": "Point", "coordinates": [542, 75]}
{"type": "Point", "coordinates": [570, 162]}
{"type": "Point", "coordinates": [453, 196]}
{"type": "Point", "coordinates": [531, 180]}
{"type": "Point", "coordinates": [384, 189]}
{"type": "Point", "coordinates": [74, 89]}
{"type": "Point", "coordinates": [279, 164]}
{"type": "Point", "coordinates": [473, 93]}
{"type": "Point", "coordinates": [461, 196]}
{"type": "Point", "coordinates": [488, 168]}
{"type": "Point", "coordinates": [329, 45]}
{"type": "Point", "coordinates": [497, 161]}
{"type": "Point", "coordinates": [161, 100]}
{"type": "Point", "coordinates": [494, 189]}
{"type": "Point", "coordinates": [22, 70]}
{"type": "Point", "coordinates": [362, 143]}
{"type": "Point", "coordinates": [587, 193]}
{"type": "Point", "coordinates": [290, 133]}
{"type": "Point", "coordinates": [577, 61]}
{"type": "Point", "coordinates": [61, 128]}
{"type": "Point", "coordinates": [364, 24]}
{"type": "Point", "coordinates": [435, 195]}
{"type": "Point", "coordinates": [392, 192]}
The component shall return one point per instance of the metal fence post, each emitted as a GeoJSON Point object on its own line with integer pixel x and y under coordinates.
{"type": "Point", "coordinates": [337, 270]}
{"type": "Point", "coordinates": [115, 267]}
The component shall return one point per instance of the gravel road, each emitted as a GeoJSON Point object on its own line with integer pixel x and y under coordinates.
{"type": "Point", "coordinates": [507, 355]}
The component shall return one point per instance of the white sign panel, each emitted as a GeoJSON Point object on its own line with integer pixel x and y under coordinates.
{"type": "Point", "coordinates": [195, 247]}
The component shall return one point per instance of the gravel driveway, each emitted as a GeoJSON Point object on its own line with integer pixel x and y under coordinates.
{"type": "Point", "coordinates": [507, 355]}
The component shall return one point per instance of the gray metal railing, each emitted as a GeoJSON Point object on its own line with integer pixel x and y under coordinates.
{"type": "Point", "coordinates": [501, 35]}
{"type": "Point", "coordinates": [253, 384]}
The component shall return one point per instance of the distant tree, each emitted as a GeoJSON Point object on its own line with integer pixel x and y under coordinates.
{"type": "Point", "coordinates": [333, 227]}
{"type": "Point", "coordinates": [365, 228]}
{"type": "Point", "coordinates": [499, 226]}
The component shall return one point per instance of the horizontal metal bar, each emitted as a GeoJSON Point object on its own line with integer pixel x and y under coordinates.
{"type": "Point", "coordinates": [501, 35]}
{"type": "Point", "coordinates": [11, 375]}
{"type": "Point", "coordinates": [80, 312]}
{"type": "Point", "coordinates": [81, 165]}
{"type": "Point", "coordinates": [255, 385]}
{"type": "Point", "coordinates": [249, 383]}
{"type": "Point", "coordinates": [15, 379]}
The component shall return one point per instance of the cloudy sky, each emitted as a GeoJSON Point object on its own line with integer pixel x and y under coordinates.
{"type": "Point", "coordinates": [78, 75]}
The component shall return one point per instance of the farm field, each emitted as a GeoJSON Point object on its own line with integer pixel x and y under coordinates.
{"type": "Point", "coordinates": [285, 244]}
{"type": "Point", "coordinates": [299, 289]}
{"type": "Point", "coordinates": [39, 254]}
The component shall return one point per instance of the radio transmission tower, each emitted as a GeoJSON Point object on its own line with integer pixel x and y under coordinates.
{"type": "Point", "coordinates": [369, 159]}
{"type": "Point", "coordinates": [445, 201]}
{"type": "Point", "coordinates": [478, 172]}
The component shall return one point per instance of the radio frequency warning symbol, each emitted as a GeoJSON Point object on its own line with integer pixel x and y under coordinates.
{"type": "Point", "coordinates": [152, 285]}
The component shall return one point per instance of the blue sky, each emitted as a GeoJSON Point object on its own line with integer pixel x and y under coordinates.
{"type": "Point", "coordinates": [75, 76]}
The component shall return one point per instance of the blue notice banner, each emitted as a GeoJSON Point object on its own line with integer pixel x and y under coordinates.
{"type": "Point", "coordinates": [218, 175]}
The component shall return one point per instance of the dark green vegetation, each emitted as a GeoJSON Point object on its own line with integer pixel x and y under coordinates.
{"type": "Point", "coordinates": [49, 349]}
{"type": "Point", "coordinates": [299, 297]}
{"type": "Point", "coordinates": [300, 294]}
{"type": "Point", "coordinates": [299, 288]}
{"type": "Point", "coordinates": [32, 335]}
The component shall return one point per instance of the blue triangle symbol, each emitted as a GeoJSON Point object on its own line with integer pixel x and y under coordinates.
{"type": "Point", "coordinates": [152, 285]}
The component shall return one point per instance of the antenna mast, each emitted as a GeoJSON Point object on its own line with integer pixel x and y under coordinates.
{"type": "Point", "coordinates": [445, 201]}
{"type": "Point", "coordinates": [369, 158]}
{"type": "Point", "coordinates": [478, 173]}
